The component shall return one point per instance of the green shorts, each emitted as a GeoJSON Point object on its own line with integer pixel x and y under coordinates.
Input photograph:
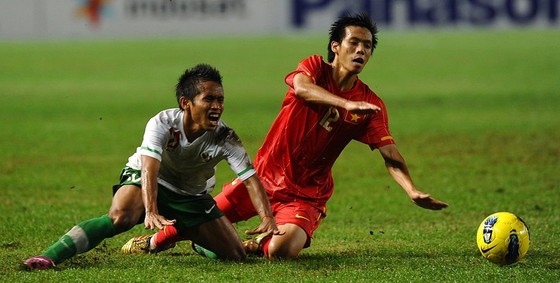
{"type": "Point", "coordinates": [188, 211]}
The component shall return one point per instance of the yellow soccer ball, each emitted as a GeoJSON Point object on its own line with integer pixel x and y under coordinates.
{"type": "Point", "coordinates": [503, 238]}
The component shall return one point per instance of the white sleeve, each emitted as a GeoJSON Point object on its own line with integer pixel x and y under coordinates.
{"type": "Point", "coordinates": [237, 157]}
{"type": "Point", "coordinates": [155, 137]}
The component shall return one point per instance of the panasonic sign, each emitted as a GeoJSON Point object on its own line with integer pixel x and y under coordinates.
{"type": "Point", "coordinates": [434, 13]}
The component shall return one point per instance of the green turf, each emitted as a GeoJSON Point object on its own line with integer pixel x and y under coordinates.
{"type": "Point", "coordinates": [474, 113]}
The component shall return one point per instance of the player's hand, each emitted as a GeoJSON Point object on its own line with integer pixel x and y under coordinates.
{"type": "Point", "coordinates": [154, 220]}
{"type": "Point", "coordinates": [268, 224]}
{"type": "Point", "coordinates": [427, 201]}
{"type": "Point", "coordinates": [361, 107]}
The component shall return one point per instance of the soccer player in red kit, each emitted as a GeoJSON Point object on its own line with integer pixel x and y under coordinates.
{"type": "Point", "coordinates": [326, 107]}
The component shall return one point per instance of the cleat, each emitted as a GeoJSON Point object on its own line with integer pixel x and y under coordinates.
{"type": "Point", "coordinates": [39, 263]}
{"type": "Point", "coordinates": [141, 245]}
{"type": "Point", "coordinates": [203, 252]}
{"type": "Point", "coordinates": [137, 245]}
{"type": "Point", "coordinates": [252, 246]}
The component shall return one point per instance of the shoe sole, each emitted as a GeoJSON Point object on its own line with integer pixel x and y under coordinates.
{"type": "Point", "coordinates": [38, 264]}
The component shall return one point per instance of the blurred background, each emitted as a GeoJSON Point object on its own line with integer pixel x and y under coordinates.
{"type": "Point", "coordinates": [53, 19]}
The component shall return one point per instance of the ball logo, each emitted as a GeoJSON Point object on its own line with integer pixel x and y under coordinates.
{"type": "Point", "coordinates": [487, 230]}
{"type": "Point", "coordinates": [513, 247]}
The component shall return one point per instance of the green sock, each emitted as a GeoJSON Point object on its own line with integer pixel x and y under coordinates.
{"type": "Point", "coordinates": [81, 238]}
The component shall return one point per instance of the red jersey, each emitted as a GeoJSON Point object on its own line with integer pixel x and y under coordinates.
{"type": "Point", "coordinates": [297, 155]}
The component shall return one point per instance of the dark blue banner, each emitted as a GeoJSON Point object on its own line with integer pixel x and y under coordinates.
{"type": "Point", "coordinates": [434, 13]}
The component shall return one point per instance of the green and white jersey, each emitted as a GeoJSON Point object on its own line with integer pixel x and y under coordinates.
{"type": "Point", "coordinates": [189, 167]}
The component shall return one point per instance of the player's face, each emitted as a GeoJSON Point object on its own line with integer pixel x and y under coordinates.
{"type": "Point", "coordinates": [354, 51]}
{"type": "Point", "coordinates": [207, 107]}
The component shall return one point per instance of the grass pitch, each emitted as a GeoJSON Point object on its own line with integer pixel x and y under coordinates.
{"type": "Point", "coordinates": [474, 113]}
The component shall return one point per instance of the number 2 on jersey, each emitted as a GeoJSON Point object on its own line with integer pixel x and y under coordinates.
{"type": "Point", "coordinates": [331, 116]}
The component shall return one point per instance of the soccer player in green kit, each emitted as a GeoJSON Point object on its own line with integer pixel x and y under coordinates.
{"type": "Point", "coordinates": [169, 179]}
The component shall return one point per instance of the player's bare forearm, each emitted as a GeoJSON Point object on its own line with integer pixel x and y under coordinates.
{"type": "Point", "coordinates": [396, 166]}
{"type": "Point", "coordinates": [306, 89]}
{"type": "Point", "coordinates": [398, 169]}
{"type": "Point", "coordinates": [258, 196]}
{"type": "Point", "coordinates": [262, 206]}
{"type": "Point", "coordinates": [421, 199]}
{"type": "Point", "coordinates": [150, 169]}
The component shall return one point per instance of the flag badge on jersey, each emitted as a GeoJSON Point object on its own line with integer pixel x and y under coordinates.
{"type": "Point", "coordinates": [174, 139]}
{"type": "Point", "coordinates": [354, 118]}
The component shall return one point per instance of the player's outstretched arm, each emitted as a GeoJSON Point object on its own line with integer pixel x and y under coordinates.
{"type": "Point", "coordinates": [398, 169]}
{"type": "Point", "coordinates": [427, 201]}
{"type": "Point", "coordinates": [262, 206]}
{"type": "Point", "coordinates": [306, 89]}
{"type": "Point", "coordinates": [150, 169]}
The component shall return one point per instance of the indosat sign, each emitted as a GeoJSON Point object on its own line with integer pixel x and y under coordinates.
{"type": "Point", "coordinates": [433, 13]}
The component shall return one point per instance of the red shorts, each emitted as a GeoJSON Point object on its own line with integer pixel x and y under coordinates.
{"type": "Point", "coordinates": [236, 204]}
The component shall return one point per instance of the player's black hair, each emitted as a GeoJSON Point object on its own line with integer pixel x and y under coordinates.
{"type": "Point", "coordinates": [338, 30]}
{"type": "Point", "coordinates": [190, 81]}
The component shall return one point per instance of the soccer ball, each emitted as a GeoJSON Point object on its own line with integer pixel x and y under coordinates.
{"type": "Point", "coordinates": [503, 238]}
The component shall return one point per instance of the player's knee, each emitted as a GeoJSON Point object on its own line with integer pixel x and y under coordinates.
{"type": "Point", "coordinates": [240, 256]}
{"type": "Point", "coordinates": [289, 245]}
{"type": "Point", "coordinates": [282, 250]}
{"type": "Point", "coordinates": [237, 254]}
{"type": "Point", "coordinates": [123, 221]}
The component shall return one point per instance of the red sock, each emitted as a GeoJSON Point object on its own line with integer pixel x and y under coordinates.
{"type": "Point", "coordinates": [166, 236]}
